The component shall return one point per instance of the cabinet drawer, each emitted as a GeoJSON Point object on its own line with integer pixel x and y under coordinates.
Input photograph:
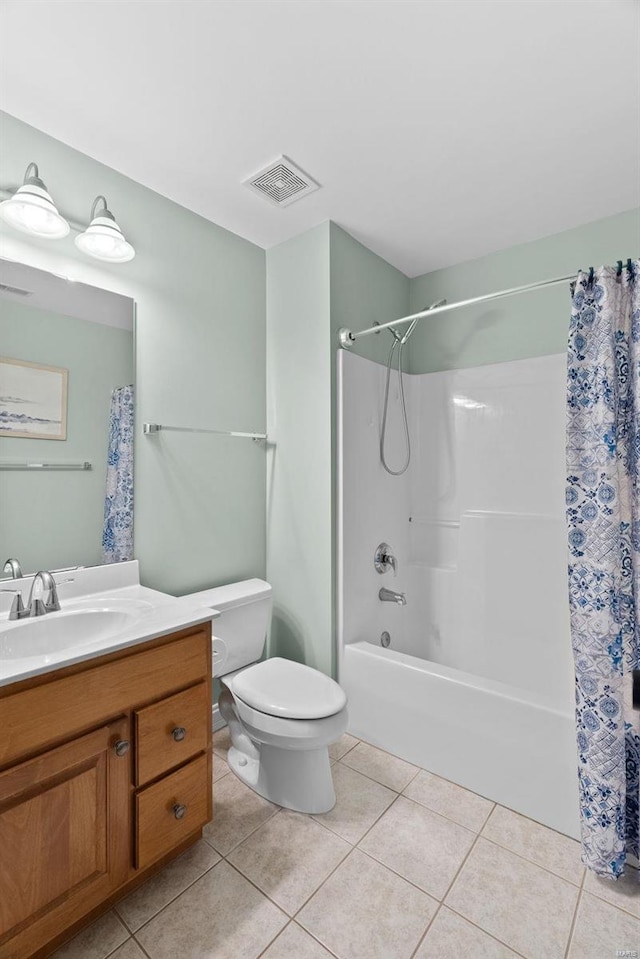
{"type": "Point", "coordinates": [31, 719]}
{"type": "Point", "coordinates": [171, 731]}
{"type": "Point", "coordinates": [170, 810]}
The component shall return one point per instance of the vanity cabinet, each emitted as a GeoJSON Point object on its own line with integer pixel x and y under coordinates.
{"type": "Point", "coordinates": [105, 774]}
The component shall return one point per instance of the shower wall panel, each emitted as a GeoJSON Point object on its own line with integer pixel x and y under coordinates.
{"type": "Point", "coordinates": [477, 521]}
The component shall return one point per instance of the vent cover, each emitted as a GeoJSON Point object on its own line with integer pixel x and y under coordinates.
{"type": "Point", "coordinates": [4, 288]}
{"type": "Point", "coordinates": [282, 182]}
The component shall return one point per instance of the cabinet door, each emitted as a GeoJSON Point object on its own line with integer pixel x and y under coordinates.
{"type": "Point", "coordinates": [64, 836]}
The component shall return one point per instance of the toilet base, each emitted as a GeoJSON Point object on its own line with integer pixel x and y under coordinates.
{"type": "Point", "coordinates": [297, 779]}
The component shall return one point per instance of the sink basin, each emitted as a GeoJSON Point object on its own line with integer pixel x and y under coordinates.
{"type": "Point", "coordinates": [70, 628]}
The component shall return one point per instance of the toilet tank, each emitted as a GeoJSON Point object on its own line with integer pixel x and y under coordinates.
{"type": "Point", "coordinates": [240, 632]}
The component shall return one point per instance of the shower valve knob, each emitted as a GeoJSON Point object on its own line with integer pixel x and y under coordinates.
{"type": "Point", "coordinates": [384, 560]}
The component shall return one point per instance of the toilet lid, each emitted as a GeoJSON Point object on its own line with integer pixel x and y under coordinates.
{"type": "Point", "coordinates": [280, 687]}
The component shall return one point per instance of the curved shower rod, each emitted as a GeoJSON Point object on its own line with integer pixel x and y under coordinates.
{"type": "Point", "coordinates": [346, 338]}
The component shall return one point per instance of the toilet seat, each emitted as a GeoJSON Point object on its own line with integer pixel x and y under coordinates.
{"type": "Point", "coordinates": [287, 690]}
{"type": "Point", "coordinates": [290, 734]}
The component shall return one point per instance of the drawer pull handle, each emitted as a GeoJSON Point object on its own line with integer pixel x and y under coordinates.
{"type": "Point", "coordinates": [179, 733]}
{"type": "Point", "coordinates": [179, 811]}
{"type": "Point", "coordinates": [121, 748]}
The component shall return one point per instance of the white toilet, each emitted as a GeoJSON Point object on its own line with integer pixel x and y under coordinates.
{"type": "Point", "coordinates": [282, 716]}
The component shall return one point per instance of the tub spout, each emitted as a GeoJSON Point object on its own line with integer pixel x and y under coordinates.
{"type": "Point", "coordinates": [390, 596]}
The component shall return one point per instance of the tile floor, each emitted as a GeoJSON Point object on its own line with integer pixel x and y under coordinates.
{"type": "Point", "coordinates": [406, 866]}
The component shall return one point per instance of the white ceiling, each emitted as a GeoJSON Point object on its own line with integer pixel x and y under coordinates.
{"type": "Point", "coordinates": [440, 130]}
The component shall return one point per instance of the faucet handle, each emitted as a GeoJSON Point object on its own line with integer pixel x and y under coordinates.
{"type": "Point", "coordinates": [17, 606]}
{"type": "Point", "coordinates": [383, 559]}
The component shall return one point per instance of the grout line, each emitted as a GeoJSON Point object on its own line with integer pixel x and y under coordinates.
{"type": "Point", "coordinates": [466, 919]}
{"type": "Point", "coordinates": [315, 938]}
{"type": "Point", "coordinates": [327, 877]}
{"type": "Point", "coordinates": [122, 920]}
{"type": "Point", "coordinates": [271, 941]}
{"type": "Point", "coordinates": [311, 895]}
{"type": "Point", "coordinates": [344, 858]}
{"type": "Point", "coordinates": [177, 896]}
{"type": "Point", "coordinates": [395, 872]}
{"type": "Point", "coordinates": [460, 868]}
{"type": "Point", "coordinates": [424, 934]}
{"type": "Point", "coordinates": [532, 862]}
{"type": "Point", "coordinates": [572, 928]}
{"type": "Point", "coordinates": [443, 815]}
{"type": "Point", "coordinates": [275, 812]}
{"type": "Point", "coordinates": [108, 955]}
{"type": "Point", "coordinates": [262, 893]}
{"type": "Point", "coordinates": [597, 895]}
{"type": "Point", "coordinates": [356, 743]}
{"type": "Point", "coordinates": [367, 830]}
{"type": "Point", "coordinates": [373, 780]}
{"type": "Point", "coordinates": [306, 932]}
{"type": "Point", "coordinates": [141, 948]}
{"type": "Point", "coordinates": [491, 935]}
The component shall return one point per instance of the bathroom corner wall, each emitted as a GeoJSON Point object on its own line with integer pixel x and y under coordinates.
{"type": "Point", "coordinates": [527, 325]}
{"type": "Point", "coordinates": [200, 361]}
{"type": "Point", "coordinates": [316, 283]}
{"type": "Point", "coordinates": [299, 528]}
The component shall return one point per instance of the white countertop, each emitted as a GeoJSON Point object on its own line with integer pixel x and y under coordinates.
{"type": "Point", "coordinates": [152, 614]}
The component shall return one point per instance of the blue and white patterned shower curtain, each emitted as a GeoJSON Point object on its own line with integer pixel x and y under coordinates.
{"type": "Point", "coordinates": [117, 535]}
{"type": "Point", "coordinates": [603, 515]}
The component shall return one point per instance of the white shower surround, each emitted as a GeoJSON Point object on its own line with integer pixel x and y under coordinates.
{"type": "Point", "coordinates": [477, 685]}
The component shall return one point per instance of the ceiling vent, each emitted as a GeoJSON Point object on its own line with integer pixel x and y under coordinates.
{"type": "Point", "coordinates": [282, 182]}
{"type": "Point", "coordinates": [4, 288]}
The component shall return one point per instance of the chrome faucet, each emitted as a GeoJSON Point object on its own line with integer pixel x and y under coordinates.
{"type": "Point", "coordinates": [390, 596]}
{"type": "Point", "coordinates": [12, 568]}
{"type": "Point", "coordinates": [38, 607]}
{"type": "Point", "coordinates": [35, 605]}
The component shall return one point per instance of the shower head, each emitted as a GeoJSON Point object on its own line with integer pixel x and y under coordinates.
{"type": "Point", "coordinates": [412, 326]}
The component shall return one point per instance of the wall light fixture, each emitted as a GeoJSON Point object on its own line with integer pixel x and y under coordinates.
{"type": "Point", "coordinates": [103, 238]}
{"type": "Point", "coordinates": [31, 209]}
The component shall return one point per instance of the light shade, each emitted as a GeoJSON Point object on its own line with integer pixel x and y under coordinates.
{"type": "Point", "coordinates": [103, 238]}
{"type": "Point", "coordinates": [31, 209]}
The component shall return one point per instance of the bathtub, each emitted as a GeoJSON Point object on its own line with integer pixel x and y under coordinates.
{"type": "Point", "coordinates": [477, 682]}
{"type": "Point", "coordinates": [505, 744]}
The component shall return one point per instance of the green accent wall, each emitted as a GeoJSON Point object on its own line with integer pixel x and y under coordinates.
{"type": "Point", "coordinates": [529, 324]}
{"type": "Point", "coordinates": [365, 289]}
{"type": "Point", "coordinates": [200, 360]}
{"type": "Point", "coordinates": [54, 519]}
{"type": "Point", "coordinates": [299, 527]}
{"type": "Point", "coordinates": [316, 283]}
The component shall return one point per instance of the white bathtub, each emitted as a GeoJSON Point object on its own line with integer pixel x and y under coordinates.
{"type": "Point", "coordinates": [505, 744]}
{"type": "Point", "coordinates": [477, 684]}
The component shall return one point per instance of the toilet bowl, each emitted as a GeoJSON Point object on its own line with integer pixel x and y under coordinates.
{"type": "Point", "coordinates": [282, 715]}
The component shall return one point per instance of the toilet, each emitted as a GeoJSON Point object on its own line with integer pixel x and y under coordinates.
{"type": "Point", "coordinates": [282, 715]}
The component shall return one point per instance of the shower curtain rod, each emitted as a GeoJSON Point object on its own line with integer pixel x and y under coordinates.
{"type": "Point", "coordinates": [346, 338]}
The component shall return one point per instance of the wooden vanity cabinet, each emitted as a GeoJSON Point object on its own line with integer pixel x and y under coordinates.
{"type": "Point", "coordinates": [105, 775]}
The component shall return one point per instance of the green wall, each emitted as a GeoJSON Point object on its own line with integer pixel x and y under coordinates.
{"type": "Point", "coordinates": [365, 289]}
{"type": "Point", "coordinates": [316, 283]}
{"type": "Point", "coordinates": [200, 360]}
{"type": "Point", "coordinates": [299, 528]}
{"type": "Point", "coordinates": [529, 324]}
{"type": "Point", "coordinates": [52, 519]}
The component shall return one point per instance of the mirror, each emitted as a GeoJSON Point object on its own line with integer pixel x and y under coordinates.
{"type": "Point", "coordinates": [64, 348]}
